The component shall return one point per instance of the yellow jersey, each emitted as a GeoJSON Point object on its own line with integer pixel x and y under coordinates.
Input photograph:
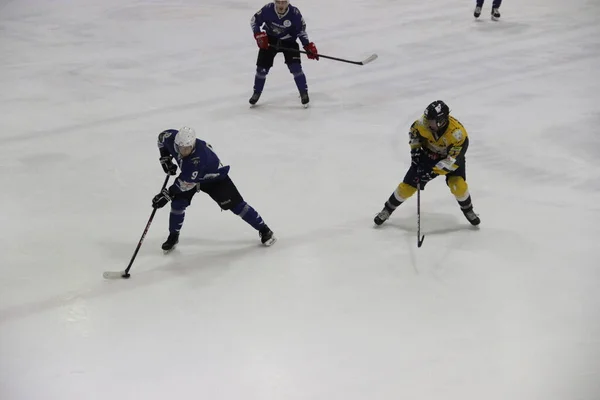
{"type": "Point", "coordinates": [449, 147]}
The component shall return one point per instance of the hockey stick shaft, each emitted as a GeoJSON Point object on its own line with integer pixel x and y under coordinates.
{"type": "Point", "coordinates": [125, 273]}
{"type": "Point", "coordinates": [363, 62]}
{"type": "Point", "coordinates": [419, 237]}
{"type": "Point", "coordinates": [139, 245]}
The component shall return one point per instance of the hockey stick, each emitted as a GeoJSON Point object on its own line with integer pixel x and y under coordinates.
{"type": "Point", "coordinates": [367, 60]}
{"type": "Point", "coordinates": [419, 237]}
{"type": "Point", "coordinates": [125, 274]}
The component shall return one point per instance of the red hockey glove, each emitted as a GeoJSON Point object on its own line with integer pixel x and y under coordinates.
{"type": "Point", "coordinates": [262, 40]}
{"type": "Point", "coordinates": [311, 49]}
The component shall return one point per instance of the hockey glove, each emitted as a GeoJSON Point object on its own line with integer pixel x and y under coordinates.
{"type": "Point", "coordinates": [311, 49]}
{"type": "Point", "coordinates": [415, 156]}
{"type": "Point", "coordinates": [168, 165]}
{"type": "Point", "coordinates": [262, 40]}
{"type": "Point", "coordinates": [425, 177]}
{"type": "Point", "coordinates": [161, 199]}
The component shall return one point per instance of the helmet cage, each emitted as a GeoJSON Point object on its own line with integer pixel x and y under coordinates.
{"type": "Point", "coordinates": [184, 151]}
{"type": "Point", "coordinates": [281, 6]}
{"type": "Point", "coordinates": [437, 114]}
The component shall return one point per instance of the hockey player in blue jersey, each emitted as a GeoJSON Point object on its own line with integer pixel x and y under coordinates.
{"type": "Point", "coordinates": [283, 26]}
{"type": "Point", "coordinates": [200, 170]}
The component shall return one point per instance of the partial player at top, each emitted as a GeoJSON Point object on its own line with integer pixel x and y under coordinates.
{"type": "Point", "coordinates": [282, 25]}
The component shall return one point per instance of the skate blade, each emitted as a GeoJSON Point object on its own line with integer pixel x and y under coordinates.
{"type": "Point", "coordinates": [170, 250]}
{"type": "Point", "coordinates": [270, 242]}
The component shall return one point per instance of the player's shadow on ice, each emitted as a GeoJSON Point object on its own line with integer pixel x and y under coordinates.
{"type": "Point", "coordinates": [504, 27]}
{"type": "Point", "coordinates": [206, 261]}
{"type": "Point", "coordinates": [319, 102]}
{"type": "Point", "coordinates": [431, 224]}
{"type": "Point", "coordinates": [195, 262]}
{"type": "Point", "coordinates": [152, 247]}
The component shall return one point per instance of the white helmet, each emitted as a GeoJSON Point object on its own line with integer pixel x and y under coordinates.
{"type": "Point", "coordinates": [185, 141]}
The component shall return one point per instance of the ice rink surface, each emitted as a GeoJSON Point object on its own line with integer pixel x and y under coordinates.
{"type": "Point", "coordinates": [335, 309]}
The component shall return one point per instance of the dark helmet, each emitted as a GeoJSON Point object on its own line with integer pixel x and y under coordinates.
{"type": "Point", "coordinates": [437, 114]}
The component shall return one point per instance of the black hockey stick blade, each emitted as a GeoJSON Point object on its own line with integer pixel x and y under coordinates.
{"type": "Point", "coordinates": [367, 60]}
{"type": "Point", "coordinates": [420, 240]}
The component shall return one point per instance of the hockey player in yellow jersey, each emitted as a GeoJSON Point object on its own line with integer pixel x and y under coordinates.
{"type": "Point", "coordinates": [438, 144]}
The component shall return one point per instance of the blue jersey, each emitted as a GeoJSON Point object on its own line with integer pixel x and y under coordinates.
{"type": "Point", "coordinates": [289, 26]}
{"type": "Point", "coordinates": [203, 165]}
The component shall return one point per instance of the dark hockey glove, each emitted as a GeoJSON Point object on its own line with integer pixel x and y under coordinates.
{"type": "Point", "coordinates": [423, 158]}
{"type": "Point", "coordinates": [262, 40]}
{"type": "Point", "coordinates": [415, 156]}
{"type": "Point", "coordinates": [168, 165]}
{"type": "Point", "coordinates": [161, 199]}
{"type": "Point", "coordinates": [311, 49]}
{"type": "Point", "coordinates": [424, 177]}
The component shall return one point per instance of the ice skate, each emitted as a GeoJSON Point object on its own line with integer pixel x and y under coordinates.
{"type": "Point", "coordinates": [495, 14]}
{"type": "Point", "coordinates": [171, 242]}
{"type": "Point", "coordinates": [304, 99]}
{"type": "Point", "coordinates": [477, 12]}
{"type": "Point", "coordinates": [254, 98]}
{"type": "Point", "coordinates": [471, 216]}
{"type": "Point", "coordinates": [382, 216]}
{"type": "Point", "coordinates": [266, 235]}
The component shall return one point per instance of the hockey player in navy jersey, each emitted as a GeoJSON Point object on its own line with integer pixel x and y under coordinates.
{"type": "Point", "coordinates": [200, 170]}
{"type": "Point", "coordinates": [283, 26]}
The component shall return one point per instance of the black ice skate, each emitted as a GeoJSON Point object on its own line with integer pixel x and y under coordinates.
{"type": "Point", "coordinates": [172, 240]}
{"type": "Point", "coordinates": [266, 236]}
{"type": "Point", "coordinates": [495, 14]}
{"type": "Point", "coordinates": [477, 12]}
{"type": "Point", "coordinates": [471, 216]}
{"type": "Point", "coordinates": [254, 98]}
{"type": "Point", "coordinates": [382, 216]}
{"type": "Point", "coordinates": [304, 99]}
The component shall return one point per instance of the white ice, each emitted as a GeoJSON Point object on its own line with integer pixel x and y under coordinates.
{"type": "Point", "coordinates": [336, 309]}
